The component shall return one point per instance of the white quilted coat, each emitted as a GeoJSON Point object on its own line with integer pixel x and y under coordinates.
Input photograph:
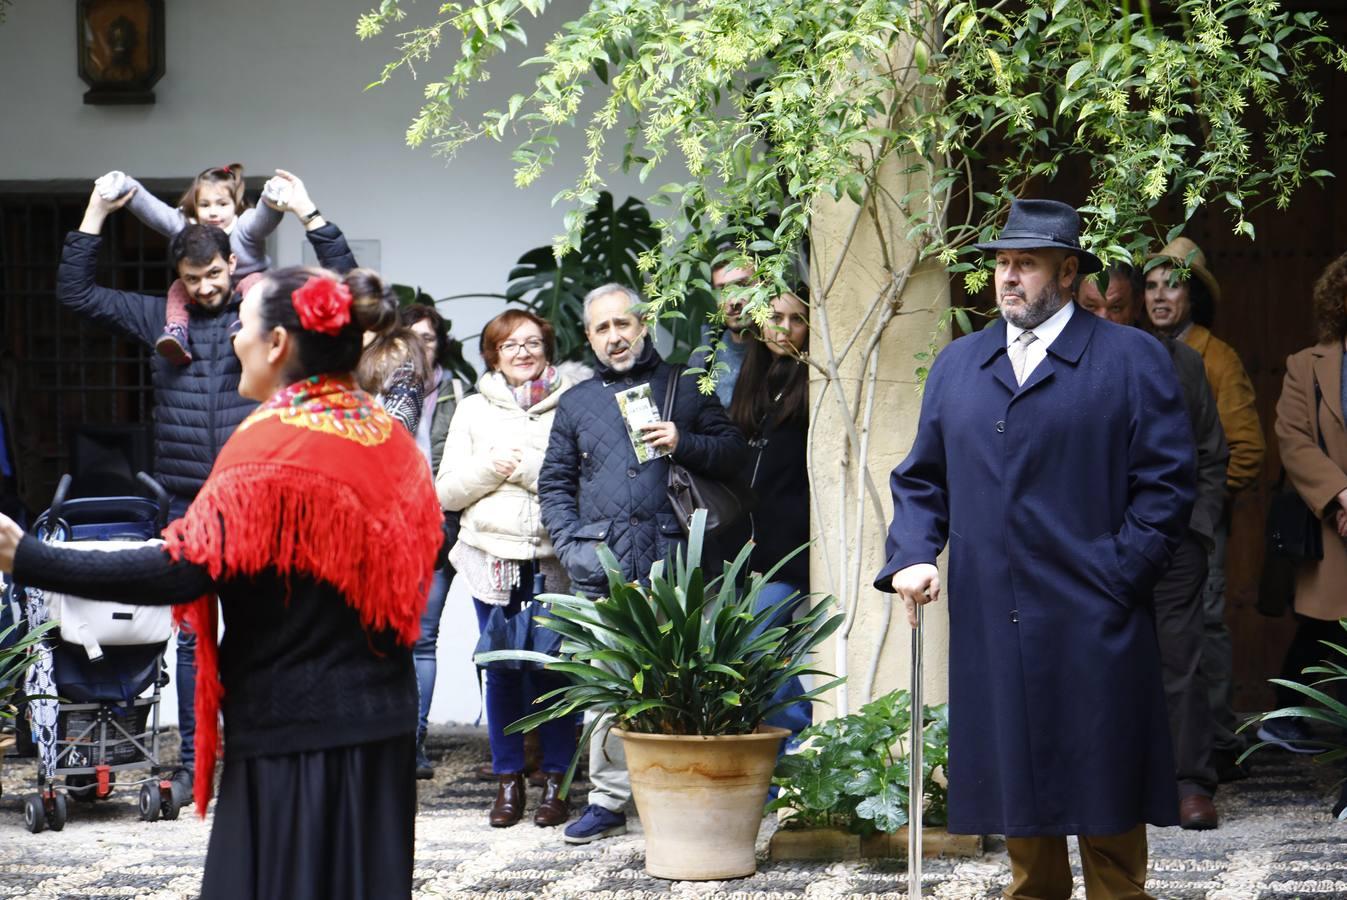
{"type": "Point", "coordinates": [500, 515]}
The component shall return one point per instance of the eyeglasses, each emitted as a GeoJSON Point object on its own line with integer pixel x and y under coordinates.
{"type": "Point", "coordinates": [510, 348]}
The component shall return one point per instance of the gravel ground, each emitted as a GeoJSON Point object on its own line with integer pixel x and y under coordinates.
{"type": "Point", "coordinates": [1276, 840]}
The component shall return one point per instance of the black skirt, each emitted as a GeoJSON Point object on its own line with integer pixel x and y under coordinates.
{"type": "Point", "coordinates": [325, 825]}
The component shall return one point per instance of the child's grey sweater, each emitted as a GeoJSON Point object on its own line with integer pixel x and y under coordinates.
{"type": "Point", "coordinates": [247, 236]}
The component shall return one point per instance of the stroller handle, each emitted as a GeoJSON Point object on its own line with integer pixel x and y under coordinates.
{"type": "Point", "coordinates": [157, 492]}
{"type": "Point", "coordinates": [62, 489]}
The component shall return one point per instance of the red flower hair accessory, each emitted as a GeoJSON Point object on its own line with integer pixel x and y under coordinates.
{"type": "Point", "coordinates": [323, 305]}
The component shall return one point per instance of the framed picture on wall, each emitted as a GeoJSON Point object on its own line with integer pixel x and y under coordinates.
{"type": "Point", "coordinates": [121, 49]}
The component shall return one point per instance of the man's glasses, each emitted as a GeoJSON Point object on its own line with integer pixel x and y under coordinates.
{"type": "Point", "coordinates": [510, 348]}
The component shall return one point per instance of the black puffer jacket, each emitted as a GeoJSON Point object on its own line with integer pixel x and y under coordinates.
{"type": "Point", "coordinates": [197, 406]}
{"type": "Point", "coordinates": [592, 489]}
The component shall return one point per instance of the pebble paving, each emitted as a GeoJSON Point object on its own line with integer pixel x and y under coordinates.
{"type": "Point", "coordinates": [1276, 842]}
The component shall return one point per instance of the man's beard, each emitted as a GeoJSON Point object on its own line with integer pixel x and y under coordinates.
{"type": "Point", "coordinates": [1036, 311]}
{"type": "Point", "coordinates": [633, 354]}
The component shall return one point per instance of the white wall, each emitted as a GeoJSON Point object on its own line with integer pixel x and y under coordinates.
{"type": "Point", "coordinates": [280, 84]}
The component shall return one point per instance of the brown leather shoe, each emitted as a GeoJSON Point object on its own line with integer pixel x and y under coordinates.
{"type": "Point", "coordinates": [553, 810]}
{"type": "Point", "coordinates": [509, 806]}
{"type": "Point", "coordinates": [1197, 813]}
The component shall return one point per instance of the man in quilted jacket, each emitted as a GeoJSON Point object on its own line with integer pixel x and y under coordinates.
{"type": "Point", "coordinates": [594, 490]}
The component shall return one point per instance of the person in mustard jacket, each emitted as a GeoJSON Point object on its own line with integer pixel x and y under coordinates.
{"type": "Point", "coordinates": [1313, 444]}
{"type": "Point", "coordinates": [1183, 307]}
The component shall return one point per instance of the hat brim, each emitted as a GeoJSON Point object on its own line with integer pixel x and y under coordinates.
{"type": "Point", "coordinates": [1213, 286]}
{"type": "Point", "coordinates": [1089, 263]}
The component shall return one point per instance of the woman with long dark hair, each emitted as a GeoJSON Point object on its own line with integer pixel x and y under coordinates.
{"type": "Point", "coordinates": [318, 528]}
{"type": "Point", "coordinates": [771, 407]}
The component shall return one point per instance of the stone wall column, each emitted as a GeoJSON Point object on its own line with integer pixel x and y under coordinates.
{"type": "Point", "coordinates": [912, 330]}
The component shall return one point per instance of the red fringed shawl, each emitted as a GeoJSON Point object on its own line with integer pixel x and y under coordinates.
{"type": "Point", "coordinates": [317, 481]}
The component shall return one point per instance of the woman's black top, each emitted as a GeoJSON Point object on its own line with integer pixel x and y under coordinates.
{"type": "Point", "coordinates": [780, 517]}
{"type": "Point", "coordinates": [299, 670]}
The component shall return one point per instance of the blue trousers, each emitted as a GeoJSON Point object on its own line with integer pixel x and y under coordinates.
{"type": "Point", "coordinates": [509, 697]}
{"type": "Point", "coordinates": [798, 716]}
{"type": "Point", "coordinates": [423, 651]}
{"type": "Point", "coordinates": [187, 695]}
{"type": "Point", "coordinates": [186, 669]}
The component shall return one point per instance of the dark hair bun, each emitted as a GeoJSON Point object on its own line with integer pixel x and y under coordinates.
{"type": "Point", "coordinates": [374, 307]}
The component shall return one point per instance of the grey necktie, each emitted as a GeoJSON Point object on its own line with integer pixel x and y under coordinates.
{"type": "Point", "coordinates": [1019, 354]}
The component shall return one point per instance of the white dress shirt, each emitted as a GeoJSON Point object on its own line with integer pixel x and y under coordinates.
{"type": "Point", "coordinates": [1046, 334]}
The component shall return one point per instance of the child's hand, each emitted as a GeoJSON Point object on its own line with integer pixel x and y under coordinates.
{"type": "Point", "coordinates": [299, 203]}
{"type": "Point", "coordinates": [112, 185]}
{"type": "Point", "coordinates": [277, 192]}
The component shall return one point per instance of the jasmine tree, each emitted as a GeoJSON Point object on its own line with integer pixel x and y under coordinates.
{"type": "Point", "coordinates": [904, 126]}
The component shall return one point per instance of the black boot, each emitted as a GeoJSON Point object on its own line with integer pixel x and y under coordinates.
{"type": "Point", "coordinates": [182, 787]}
{"type": "Point", "coordinates": [424, 769]}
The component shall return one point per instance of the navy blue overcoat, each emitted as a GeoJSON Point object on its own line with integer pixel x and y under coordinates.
{"type": "Point", "coordinates": [1061, 502]}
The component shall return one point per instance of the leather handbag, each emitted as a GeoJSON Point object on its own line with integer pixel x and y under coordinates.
{"type": "Point", "coordinates": [1292, 536]}
{"type": "Point", "coordinates": [1293, 530]}
{"type": "Point", "coordinates": [689, 491]}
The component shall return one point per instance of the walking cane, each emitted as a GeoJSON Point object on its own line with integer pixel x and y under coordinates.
{"type": "Point", "coordinates": [915, 765]}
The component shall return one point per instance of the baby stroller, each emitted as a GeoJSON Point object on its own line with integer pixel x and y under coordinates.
{"type": "Point", "coordinates": [94, 689]}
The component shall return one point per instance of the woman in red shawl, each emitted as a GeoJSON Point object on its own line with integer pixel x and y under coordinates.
{"type": "Point", "coordinates": [318, 529]}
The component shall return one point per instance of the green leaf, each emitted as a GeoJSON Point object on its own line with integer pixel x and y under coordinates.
{"type": "Point", "coordinates": [965, 27]}
{"type": "Point", "coordinates": [1074, 73]}
{"type": "Point", "coordinates": [479, 19]}
{"type": "Point", "coordinates": [887, 808]}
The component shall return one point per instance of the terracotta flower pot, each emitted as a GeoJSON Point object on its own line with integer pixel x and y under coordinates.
{"type": "Point", "coordinates": [700, 800]}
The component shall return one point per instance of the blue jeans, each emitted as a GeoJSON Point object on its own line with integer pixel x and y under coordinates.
{"type": "Point", "coordinates": [423, 652]}
{"type": "Point", "coordinates": [798, 716]}
{"type": "Point", "coordinates": [509, 697]}
{"type": "Point", "coordinates": [185, 668]}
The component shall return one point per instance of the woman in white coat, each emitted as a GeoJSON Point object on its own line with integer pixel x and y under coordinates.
{"type": "Point", "coordinates": [489, 471]}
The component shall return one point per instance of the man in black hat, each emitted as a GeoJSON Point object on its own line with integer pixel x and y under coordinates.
{"type": "Point", "coordinates": [1055, 458]}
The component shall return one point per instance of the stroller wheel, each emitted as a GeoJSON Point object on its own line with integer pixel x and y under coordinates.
{"type": "Point", "coordinates": [34, 815]}
{"type": "Point", "coordinates": [170, 805]}
{"type": "Point", "coordinates": [60, 811]}
{"type": "Point", "coordinates": [149, 802]}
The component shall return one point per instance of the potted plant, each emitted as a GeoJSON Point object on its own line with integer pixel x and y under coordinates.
{"type": "Point", "coordinates": [689, 669]}
{"type": "Point", "coordinates": [845, 791]}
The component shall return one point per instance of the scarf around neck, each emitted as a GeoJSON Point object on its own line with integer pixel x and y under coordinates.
{"type": "Point", "coordinates": [321, 482]}
{"type": "Point", "coordinates": [531, 393]}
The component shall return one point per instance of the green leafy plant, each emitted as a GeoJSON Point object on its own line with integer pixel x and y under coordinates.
{"type": "Point", "coordinates": [614, 241]}
{"type": "Point", "coordinates": [1321, 706]}
{"type": "Point", "coordinates": [688, 654]}
{"type": "Point", "coordinates": [554, 289]}
{"type": "Point", "coordinates": [888, 136]}
{"type": "Point", "coordinates": [15, 659]}
{"type": "Point", "coordinates": [849, 772]}
{"type": "Point", "coordinates": [459, 366]}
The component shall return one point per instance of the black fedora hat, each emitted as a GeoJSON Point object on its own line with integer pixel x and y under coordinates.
{"type": "Point", "coordinates": [1040, 224]}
